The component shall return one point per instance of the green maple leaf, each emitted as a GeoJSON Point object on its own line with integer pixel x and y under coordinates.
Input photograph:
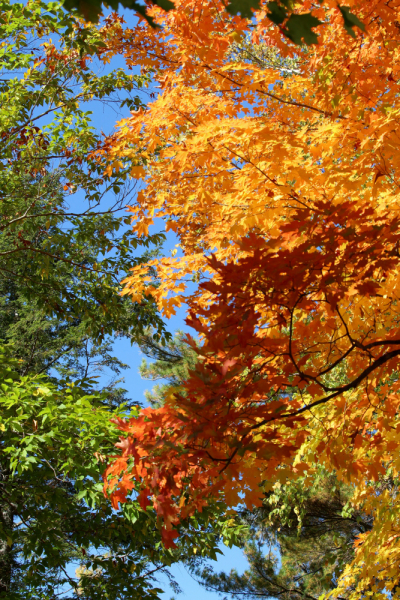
{"type": "Point", "coordinates": [299, 29]}
{"type": "Point", "coordinates": [277, 13]}
{"type": "Point", "coordinates": [350, 21]}
{"type": "Point", "coordinates": [243, 7]}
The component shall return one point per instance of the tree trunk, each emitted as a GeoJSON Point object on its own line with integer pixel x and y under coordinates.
{"type": "Point", "coordinates": [6, 528]}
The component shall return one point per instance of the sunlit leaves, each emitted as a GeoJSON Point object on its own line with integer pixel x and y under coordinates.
{"type": "Point", "coordinates": [280, 178]}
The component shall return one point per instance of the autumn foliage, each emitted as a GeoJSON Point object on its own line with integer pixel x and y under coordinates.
{"type": "Point", "coordinates": [280, 177]}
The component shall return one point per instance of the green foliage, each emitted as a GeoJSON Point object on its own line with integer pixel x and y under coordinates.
{"type": "Point", "coordinates": [299, 29]}
{"type": "Point", "coordinates": [54, 442]}
{"type": "Point", "coordinates": [60, 347]}
{"type": "Point", "coordinates": [64, 247]}
{"type": "Point", "coordinates": [350, 21]}
{"type": "Point", "coordinates": [243, 7]}
{"type": "Point", "coordinates": [62, 236]}
{"type": "Point", "coordinates": [63, 534]}
{"type": "Point", "coordinates": [277, 13]}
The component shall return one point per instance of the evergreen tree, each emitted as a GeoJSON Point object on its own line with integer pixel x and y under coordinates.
{"type": "Point", "coordinates": [170, 362]}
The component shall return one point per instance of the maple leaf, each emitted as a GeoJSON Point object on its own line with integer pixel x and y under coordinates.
{"type": "Point", "coordinates": [350, 20]}
{"type": "Point", "coordinates": [243, 7]}
{"type": "Point", "coordinates": [92, 9]}
{"type": "Point", "coordinates": [299, 28]}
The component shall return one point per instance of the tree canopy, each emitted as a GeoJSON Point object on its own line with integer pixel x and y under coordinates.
{"type": "Point", "coordinates": [63, 221]}
{"type": "Point", "coordinates": [296, 26]}
{"type": "Point", "coordinates": [301, 538]}
{"type": "Point", "coordinates": [270, 151]}
{"type": "Point", "coordinates": [64, 246]}
{"type": "Point", "coordinates": [283, 193]}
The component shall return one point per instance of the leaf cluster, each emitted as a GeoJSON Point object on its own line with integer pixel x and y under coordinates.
{"type": "Point", "coordinates": [55, 440]}
{"type": "Point", "coordinates": [60, 237]}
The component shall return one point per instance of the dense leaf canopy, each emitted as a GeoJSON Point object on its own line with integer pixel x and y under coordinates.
{"type": "Point", "coordinates": [283, 192]}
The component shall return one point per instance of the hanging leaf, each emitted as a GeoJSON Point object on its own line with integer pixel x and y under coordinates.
{"type": "Point", "coordinates": [298, 28]}
{"type": "Point", "coordinates": [92, 9]}
{"type": "Point", "coordinates": [277, 14]}
{"type": "Point", "coordinates": [350, 20]}
{"type": "Point", "coordinates": [243, 7]}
